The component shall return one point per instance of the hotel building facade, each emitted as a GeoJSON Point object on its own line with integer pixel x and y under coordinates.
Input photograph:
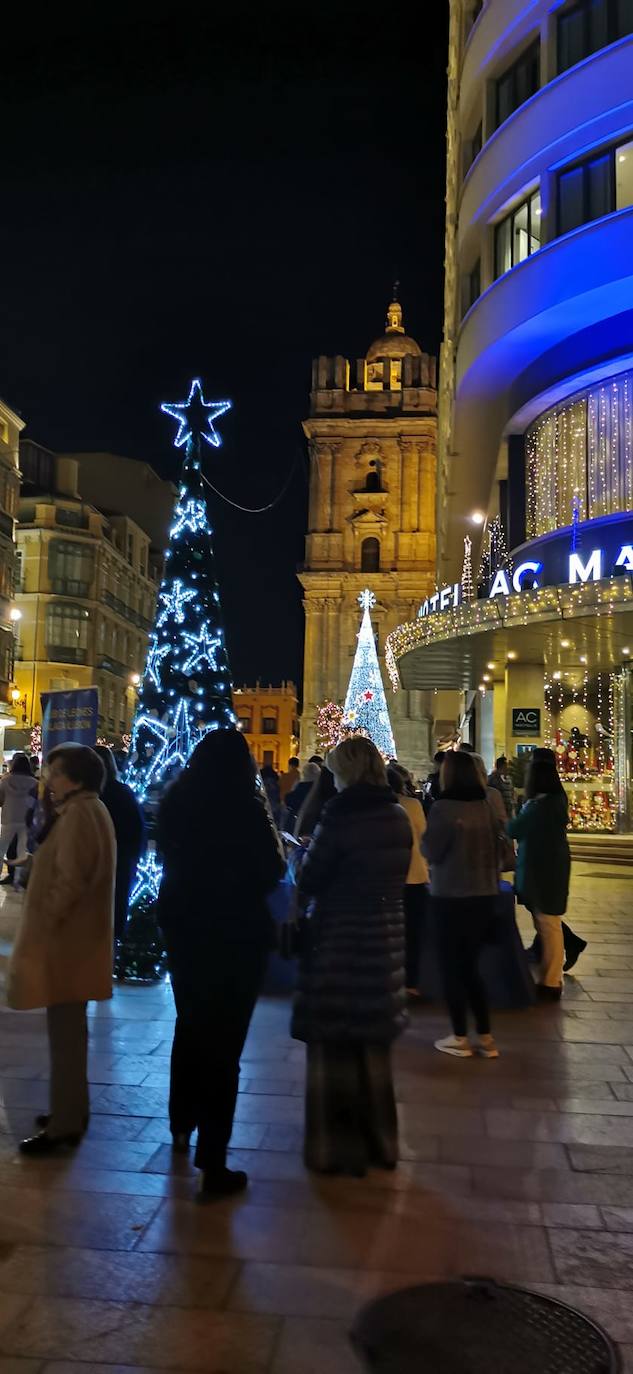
{"type": "Point", "coordinates": [535, 461]}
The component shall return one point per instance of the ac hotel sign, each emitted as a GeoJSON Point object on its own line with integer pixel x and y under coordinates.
{"type": "Point", "coordinates": [603, 548]}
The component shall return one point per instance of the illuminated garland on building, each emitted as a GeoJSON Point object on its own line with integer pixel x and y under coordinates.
{"type": "Point", "coordinates": [468, 587]}
{"type": "Point", "coordinates": [490, 613]}
{"type": "Point", "coordinates": [581, 449]}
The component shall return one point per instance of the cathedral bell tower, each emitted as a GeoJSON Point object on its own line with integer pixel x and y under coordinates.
{"type": "Point", "coordinates": [372, 435]}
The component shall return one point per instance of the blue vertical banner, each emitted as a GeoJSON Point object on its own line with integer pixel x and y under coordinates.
{"type": "Point", "coordinates": [69, 717]}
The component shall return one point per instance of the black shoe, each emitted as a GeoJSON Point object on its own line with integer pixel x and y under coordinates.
{"type": "Point", "coordinates": [574, 947]}
{"type": "Point", "coordinates": [180, 1141]}
{"type": "Point", "coordinates": [223, 1184]}
{"type": "Point", "coordinates": [44, 1119]}
{"type": "Point", "coordinates": [44, 1144]}
{"type": "Point", "coordinates": [546, 994]}
{"type": "Point", "coordinates": [6, 882]}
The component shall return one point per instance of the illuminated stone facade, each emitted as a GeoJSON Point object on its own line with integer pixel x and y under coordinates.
{"type": "Point", "coordinates": [372, 434]}
{"type": "Point", "coordinates": [267, 717]}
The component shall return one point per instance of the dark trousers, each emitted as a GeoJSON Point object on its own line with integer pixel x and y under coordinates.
{"type": "Point", "coordinates": [463, 926]}
{"type": "Point", "coordinates": [11, 854]}
{"type": "Point", "coordinates": [414, 914]}
{"type": "Point", "coordinates": [68, 1044]}
{"type": "Point", "coordinates": [214, 1006]}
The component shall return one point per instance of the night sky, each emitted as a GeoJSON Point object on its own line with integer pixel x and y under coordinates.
{"type": "Point", "coordinates": [194, 190]}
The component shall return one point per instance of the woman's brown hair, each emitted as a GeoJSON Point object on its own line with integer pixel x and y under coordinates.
{"type": "Point", "coordinates": [459, 777]}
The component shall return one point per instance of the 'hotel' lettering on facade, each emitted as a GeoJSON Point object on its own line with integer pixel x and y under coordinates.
{"type": "Point", "coordinates": [581, 567]}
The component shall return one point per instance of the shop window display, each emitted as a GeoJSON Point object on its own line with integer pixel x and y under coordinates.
{"type": "Point", "coordinates": [584, 750]}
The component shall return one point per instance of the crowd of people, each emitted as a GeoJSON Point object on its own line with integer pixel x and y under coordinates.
{"type": "Point", "coordinates": [379, 866]}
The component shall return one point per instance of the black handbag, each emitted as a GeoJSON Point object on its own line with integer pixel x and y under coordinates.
{"type": "Point", "coordinates": [506, 856]}
{"type": "Point", "coordinates": [293, 932]}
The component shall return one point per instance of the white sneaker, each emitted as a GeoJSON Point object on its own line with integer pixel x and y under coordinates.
{"type": "Point", "coordinates": [486, 1047]}
{"type": "Point", "coordinates": [457, 1045]}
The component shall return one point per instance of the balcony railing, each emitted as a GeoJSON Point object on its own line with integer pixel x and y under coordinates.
{"type": "Point", "coordinates": [70, 586]}
{"type": "Point", "coordinates": [66, 653]}
{"type": "Point", "coordinates": [112, 665]}
{"type": "Point", "coordinates": [126, 611]}
{"type": "Point", "coordinates": [75, 518]}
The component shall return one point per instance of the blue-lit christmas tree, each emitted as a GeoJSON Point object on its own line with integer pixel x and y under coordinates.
{"type": "Point", "coordinates": [186, 686]}
{"type": "Point", "coordinates": [365, 711]}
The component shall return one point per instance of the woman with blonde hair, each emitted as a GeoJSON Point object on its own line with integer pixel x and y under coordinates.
{"type": "Point", "coordinates": [350, 1005]}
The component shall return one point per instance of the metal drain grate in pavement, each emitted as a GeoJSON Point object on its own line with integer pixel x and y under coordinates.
{"type": "Point", "coordinates": [475, 1326]}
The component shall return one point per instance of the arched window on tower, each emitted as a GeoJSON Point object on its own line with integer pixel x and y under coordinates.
{"type": "Point", "coordinates": [370, 556]}
{"type": "Point", "coordinates": [372, 480]}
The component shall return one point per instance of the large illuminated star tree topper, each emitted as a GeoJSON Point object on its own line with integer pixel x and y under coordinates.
{"type": "Point", "coordinates": [186, 686]}
{"type": "Point", "coordinates": [365, 711]}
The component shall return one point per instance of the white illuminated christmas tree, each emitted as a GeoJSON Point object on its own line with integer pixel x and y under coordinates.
{"type": "Point", "coordinates": [365, 709]}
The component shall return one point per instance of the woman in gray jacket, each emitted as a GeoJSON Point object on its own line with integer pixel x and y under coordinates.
{"type": "Point", "coordinates": [461, 845]}
{"type": "Point", "coordinates": [18, 795]}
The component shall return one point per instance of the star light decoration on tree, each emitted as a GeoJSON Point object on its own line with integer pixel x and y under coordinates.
{"type": "Point", "coordinates": [365, 711]}
{"type": "Point", "coordinates": [186, 687]}
{"type": "Point", "coordinates": [193, 418]}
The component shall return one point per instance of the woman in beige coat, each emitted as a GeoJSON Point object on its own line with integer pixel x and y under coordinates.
{"type": "Point", "coordinates": [62, 957]}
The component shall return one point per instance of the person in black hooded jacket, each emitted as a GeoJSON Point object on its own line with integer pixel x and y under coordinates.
{"type": "Point", "coordinates": [351, 1000]}
{"type": "Point", "coordinates": [129, 828]}
{"type": "Point", "coordinates": [221, 856]}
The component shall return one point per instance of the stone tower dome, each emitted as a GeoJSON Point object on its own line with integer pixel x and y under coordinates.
{"type": "Point", "coordinates": [394, 343]}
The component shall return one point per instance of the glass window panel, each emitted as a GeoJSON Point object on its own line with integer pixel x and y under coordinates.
{"type": "Point", "coordinates": [571, 208]}
{"type": "Point", "coordinates": [624, 17]}
{"type": "Point", "coordinates": [599, 195]}
{"type": "Point", "coordinates": [527, 75]}
{"type": "Point", "coordinates": [471, 288]}
{"type": "Point", "coordinates": [535, 222]}
{"type": "Point", "coordinates": [505, 101]}
{"type": "Point", "coordinates": [571, 38]}
{"type": "Point", "coordinates": [598, 16]}
{"type": "Point", "coordinates": [66, 625]}
{"type": "Point", "coordinates": [503, 246]}
{"type": "Point", "coordinates": [520, 244]}
{"type": "Point", "coordinates": [624, 176]}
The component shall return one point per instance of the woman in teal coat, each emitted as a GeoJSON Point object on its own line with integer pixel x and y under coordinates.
{"type": "Point", "coordinates": [543, 864]}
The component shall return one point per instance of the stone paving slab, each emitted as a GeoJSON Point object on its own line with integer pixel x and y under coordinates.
{"type": "Point", "coordinates": [520, 1168]}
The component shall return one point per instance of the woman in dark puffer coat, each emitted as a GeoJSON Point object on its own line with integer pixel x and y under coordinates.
{"type": "Point", "coordinates": [351, 1000]}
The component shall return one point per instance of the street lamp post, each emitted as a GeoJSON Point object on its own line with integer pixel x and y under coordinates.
{"type": "Point", "coordinates": [15, 616]}
{"type": "Point", "coordinates": [19, 700]}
